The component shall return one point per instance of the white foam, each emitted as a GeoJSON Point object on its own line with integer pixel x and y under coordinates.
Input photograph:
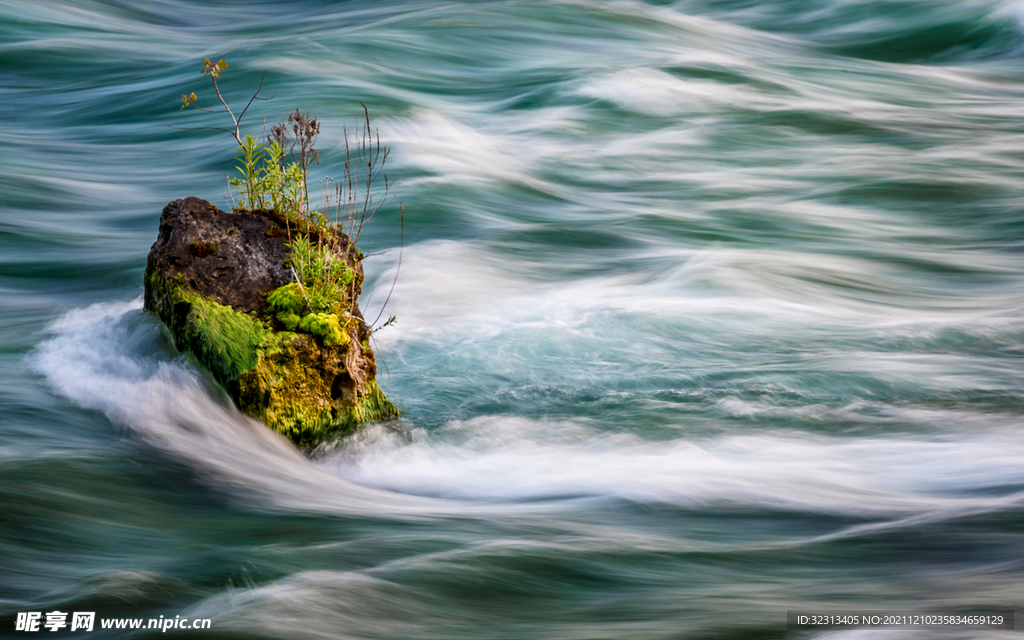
{"type": "Point", "coordinates": [657, 93]}
{"type": "Point", "coordinates": [515, 459]}
{"type": "Point", "coordinates": [460, 292]}
{"type": "Point", "coordinates": [460, 152]}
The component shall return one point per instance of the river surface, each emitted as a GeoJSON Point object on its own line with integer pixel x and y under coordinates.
{"type": "Point", "coordinates": [707, 310]}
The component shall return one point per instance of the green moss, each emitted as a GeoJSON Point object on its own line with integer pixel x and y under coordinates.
{"type": "Point", "coordinates": [223, 339]}
{"type": "Point", "coordinates": [287, 304]}
{"type": "Point", "coordinates": [374, 405]}
{"type": "Point", "coordinates": [326, 326]}
{"type": "Point", "coordinates": [289, 320]}
{"type": "Point", "coordinates": [287, 299]}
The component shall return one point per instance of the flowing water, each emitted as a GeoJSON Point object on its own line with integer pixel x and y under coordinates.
{"type": "Point", "coordinates": [707, 310]}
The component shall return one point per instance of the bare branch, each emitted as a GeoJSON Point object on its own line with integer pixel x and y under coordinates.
{"type": "Point", "coordinates": [216, 88]}
{"type": "Point", "coordinates": [380, 355]}
{"type": "Point", "coordinates": [197, 128]}
{"type": "Point", "coordinates": [254, 96]}
{"type": "Point", "coordinates": [398, 269]}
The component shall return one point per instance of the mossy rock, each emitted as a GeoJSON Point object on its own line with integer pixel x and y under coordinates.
{"type": "Point", "coordinates": [305, 375]}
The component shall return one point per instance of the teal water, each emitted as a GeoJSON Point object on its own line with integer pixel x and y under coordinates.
{"type": "Point", "coordinates": [707, 310]}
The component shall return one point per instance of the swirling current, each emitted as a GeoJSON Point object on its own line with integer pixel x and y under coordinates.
{"type": "Point", "coordinates": [708, 310]}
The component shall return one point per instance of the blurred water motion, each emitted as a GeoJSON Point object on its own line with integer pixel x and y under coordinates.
{"type": "Point", "coordinates": [708, 310]}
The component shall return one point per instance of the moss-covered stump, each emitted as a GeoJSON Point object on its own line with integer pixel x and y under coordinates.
{"type": "Point", "coordinates": [222, 285]}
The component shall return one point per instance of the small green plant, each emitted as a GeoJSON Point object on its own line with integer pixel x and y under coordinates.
{"type": "Point", "coordinates": [266, 183]}
{"type": "Point", "coordinates": [321, 242]}
{"type": "Point", "coordinates": [248, 184]}
{"type": "Point", "coordinates": [323, 271]}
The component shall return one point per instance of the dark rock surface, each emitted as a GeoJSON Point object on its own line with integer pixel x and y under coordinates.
{"type": "Point", "coordinates": [238, 258]}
